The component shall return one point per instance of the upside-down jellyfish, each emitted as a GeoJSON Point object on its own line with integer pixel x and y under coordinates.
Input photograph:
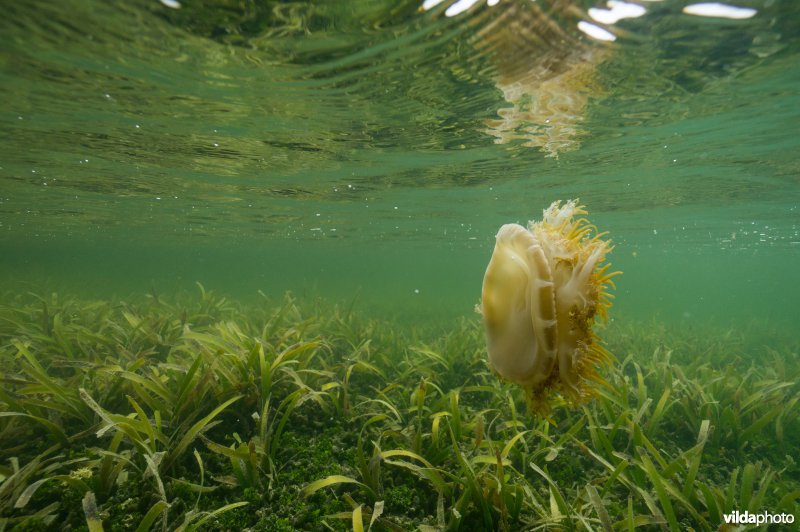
{"type": "Point", "coordinates": [543, 288]}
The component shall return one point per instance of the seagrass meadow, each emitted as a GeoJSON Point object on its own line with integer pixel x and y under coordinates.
{"type": "Point", "coordinates": [196, 412]}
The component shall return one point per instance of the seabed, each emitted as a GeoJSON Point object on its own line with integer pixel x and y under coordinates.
{"type": "Point", "coordinates": [197, 412]}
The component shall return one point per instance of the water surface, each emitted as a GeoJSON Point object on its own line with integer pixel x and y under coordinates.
{"type": "Point", "coordinates": [371, 150]}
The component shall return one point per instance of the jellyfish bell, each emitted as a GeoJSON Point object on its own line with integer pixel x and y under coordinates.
{"type": "Point", "coordinates": [543, 288]}
{"type": "Point", "coordinates": [518, 313]}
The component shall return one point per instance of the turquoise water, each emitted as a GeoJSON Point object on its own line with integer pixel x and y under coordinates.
{"type": "Point", "coordinates": [371, 151]}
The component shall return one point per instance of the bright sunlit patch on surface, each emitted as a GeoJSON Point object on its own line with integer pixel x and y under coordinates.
{"type": "Point", "coordinates": [596, 32]}
{"type": "Point", "coordinates": [174, 4]}
{"type": "Point", "coordinates": [430, 4]}
{"type": "Point", "coordinates": [459, 7]}
{"type": "Point", "coordinates": [715, 9]}
{"type": "Point", "coordinates": [616, 11]}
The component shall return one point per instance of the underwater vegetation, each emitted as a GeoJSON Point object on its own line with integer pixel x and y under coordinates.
{"type": "Point", "coordinates": [196, 412]}
{"type": "Point", "coordinates": [541, 292]}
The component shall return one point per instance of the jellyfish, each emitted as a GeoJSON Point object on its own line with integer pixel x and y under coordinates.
{"type": "Point", "coordinates": [543, 290]}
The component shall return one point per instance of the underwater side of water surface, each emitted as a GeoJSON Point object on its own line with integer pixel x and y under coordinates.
{"type": "Point", "coordinates": [341, 151]}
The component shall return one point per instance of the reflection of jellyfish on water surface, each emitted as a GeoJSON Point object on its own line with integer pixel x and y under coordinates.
{"type": "Point", "coordinates": [545, 73]}
{"type": "Point", "coordinates": [546, 56]}
{"type": "Point", "coordinates": [544, 70]}
{"type": "Point", "coordinates": [543, 288]}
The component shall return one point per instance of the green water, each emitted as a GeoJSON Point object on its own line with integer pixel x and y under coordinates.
{"type": "Point", "coordinates": [362, 156]}
{"type": "Point", "coordinates": [342, 150]}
